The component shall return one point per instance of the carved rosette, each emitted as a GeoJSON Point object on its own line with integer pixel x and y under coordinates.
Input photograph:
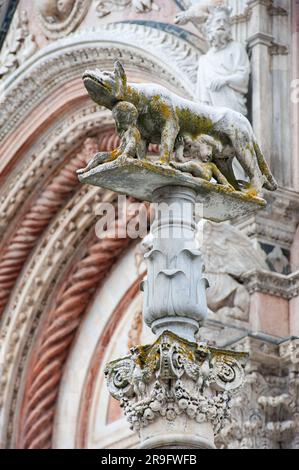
{"type": "Point", "coordinates": [173, 378]}
{"type": "Point", "coordinates": [59, 21]}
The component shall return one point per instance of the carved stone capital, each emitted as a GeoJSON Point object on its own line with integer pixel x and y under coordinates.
{"type": "Point", "coordinates": [174, 380]}
{"type": "Point", "coordinates": [57, 22]}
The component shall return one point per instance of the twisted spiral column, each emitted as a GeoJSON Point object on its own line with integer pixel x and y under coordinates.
{"type": "Point", "coordinates": [46, 368]}
{"type": "Point", "coordinates": [53, 197]}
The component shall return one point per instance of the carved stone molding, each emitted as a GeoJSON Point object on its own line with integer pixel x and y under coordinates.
{"type": "Point", "coordinates": [49, 151]}
{"type": "Point", "coordinates": [57, 21]}
{"type": "Point", "coordinates": [105, 7]}
{"type": "Point", "coordinates": [260, 39]}
{"type": "Point", "coordinates": [265, 3]}
{"type": "Point", "coordinates": [277, 223]}
{"type": "Point", "coordinates": [272, 9]}
{"type": "Point", "coordinates": [242, 17]}
{"type": "Point", "coordinates": [51, 257]}
{"type": "Point", "coordinates": [19, 45]}
{"type": "Point", "coordinates": [278, 49]}
{"type": "Point", "coordinates": [40, 214]}
{"type": "Point", "coordinates": [68, 231]}
{"type": "Point", "coordinates": [172, 60]}
{"type": "Point", "coordinates": [285, 286]}
{"type": "Point", "coordinates": [265, 414]}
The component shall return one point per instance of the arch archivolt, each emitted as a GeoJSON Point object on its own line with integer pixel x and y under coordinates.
{"type": "Point", "coordinates": [47, 154]}
{"type": "Point", "coordinates": [148, 54]}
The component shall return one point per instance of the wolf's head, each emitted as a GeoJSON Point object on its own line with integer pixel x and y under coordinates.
{"type": "Point", "coordinates": [106, 88]}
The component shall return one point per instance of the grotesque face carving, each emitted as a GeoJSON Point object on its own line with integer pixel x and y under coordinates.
{"type": "Point", "coordinates": [218, 27]}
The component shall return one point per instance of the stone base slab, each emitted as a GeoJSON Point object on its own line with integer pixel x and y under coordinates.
{"type": "Point", "coordinates": [140, 178]}
{"type": "Point", "coordinates": [183, 433]}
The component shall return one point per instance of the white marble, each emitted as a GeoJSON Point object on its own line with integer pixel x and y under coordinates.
{"type": "Point", "coordinates": [78, 363]}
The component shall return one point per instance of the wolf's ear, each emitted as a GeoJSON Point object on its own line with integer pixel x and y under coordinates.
{"type": "Point", "coordinates": [120, 79]}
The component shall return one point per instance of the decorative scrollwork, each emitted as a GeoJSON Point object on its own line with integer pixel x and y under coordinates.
{"type": "Point", "coordinates": [173, 377]}
{"type": "Point", "coordinates": [59, 18]}
{"type": "Point", "coordinates": [227, 373]}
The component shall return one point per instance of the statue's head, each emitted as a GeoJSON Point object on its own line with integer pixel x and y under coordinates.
{"type": "Point", "coordinates": [125, 115]}
{"type": "Point", "coordinates": [104, 87]}
{"type": "Point", "coordinates": [218, 26]}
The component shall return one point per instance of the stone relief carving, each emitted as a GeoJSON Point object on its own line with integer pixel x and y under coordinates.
{"type": "Point", "coordinates": [174, 377]}
{"type": "Point", "coordinates": [166, 119]}
{"type": "Point", "coordinates": [60, 17]}
{"type": "Point", "coordinates": [105, 7]}
{"type": "Point", "coordinates": [265, 414]}
{"type": "Point", "coordinates": [223, 72]}
{"type": "Point", "coordinates": [18, 46]}
{"type": "Point", "coordinates": [227, 255]}
{"type": "Point", "coordinates": [284, 286]}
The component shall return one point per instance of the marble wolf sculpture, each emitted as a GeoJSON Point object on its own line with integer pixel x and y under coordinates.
{"type": "Point", "coordinates": [165, 118]}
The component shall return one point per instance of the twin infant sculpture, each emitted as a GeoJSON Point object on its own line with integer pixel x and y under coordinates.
{"type": "Point", "coordinates": [195, 138]}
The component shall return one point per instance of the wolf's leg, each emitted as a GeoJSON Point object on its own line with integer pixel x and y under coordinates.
{"type": "Point", "coordinates": [97, 159]}
{"type": "Point", "coordinates": [142, 149]}
{"type": "Point", "coordinates": [168, 136]}
{"type": "Point", "coordinates": [245, 153]}
{"type": "Point", "coordinates": [270, 182]}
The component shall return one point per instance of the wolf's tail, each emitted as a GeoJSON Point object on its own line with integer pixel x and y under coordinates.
{"type": "Point", "coordinates": [270, 182]}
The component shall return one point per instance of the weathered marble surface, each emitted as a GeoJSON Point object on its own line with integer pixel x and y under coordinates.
{"type": "Point", "coordinates": [223, 72]}
{"type": "Point", "coordinates": [165, 387]}
{"type": "Point", "coordinates": [139, 178]}
{"type": "Point", "coordinates": [166, 119]}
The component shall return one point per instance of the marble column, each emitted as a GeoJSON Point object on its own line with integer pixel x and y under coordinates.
{"type": "Point", "coordinates": [174, 291]}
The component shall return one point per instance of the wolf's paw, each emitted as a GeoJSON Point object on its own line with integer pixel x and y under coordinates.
{"type": "Point", "coordinates": [81, 171]}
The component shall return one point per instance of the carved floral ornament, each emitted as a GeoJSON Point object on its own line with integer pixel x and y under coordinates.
{"type": "Point", "coordinates": [105, 7]}
{"type": "Point", "coordinates": [173, 377]}
{"type": "Point", "coordinates": [60, 17]}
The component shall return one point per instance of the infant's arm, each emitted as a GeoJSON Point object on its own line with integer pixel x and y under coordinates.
{"type": "Point", "coordinates": [219, 177]}
{"type": "Point", "coordinates": [131, 139]}
{"type": "Point", "coordinates": [195, 168]}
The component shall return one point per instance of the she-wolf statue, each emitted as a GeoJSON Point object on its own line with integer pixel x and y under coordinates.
{"type": "Point", "coordinates": [165, 118]}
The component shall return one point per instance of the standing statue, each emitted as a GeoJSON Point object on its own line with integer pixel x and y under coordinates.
{"type": "Point", "coordinates": [165, 118]}
{"type": "Point", "coordinates": [223, 72]}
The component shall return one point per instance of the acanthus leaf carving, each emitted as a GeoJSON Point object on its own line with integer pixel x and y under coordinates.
{"type": "Point", "coordinates": [173, 377]}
